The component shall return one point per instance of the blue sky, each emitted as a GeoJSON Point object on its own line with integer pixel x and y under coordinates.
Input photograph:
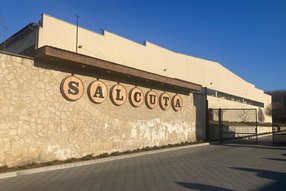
{"type": "Point", "coordinates": [246, 36]}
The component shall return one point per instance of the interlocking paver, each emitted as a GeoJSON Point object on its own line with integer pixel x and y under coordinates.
{"type": "Point", "coordinates": [216, 167]}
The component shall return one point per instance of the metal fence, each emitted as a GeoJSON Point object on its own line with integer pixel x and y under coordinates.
{"type": "Point", "coordinates": [232, 124]}
{"type": "Point", "coordinates": [279, 135]}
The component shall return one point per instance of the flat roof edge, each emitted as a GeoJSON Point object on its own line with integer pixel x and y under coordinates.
{"type": "Point", "coordinates": [16, 55]}
{"type": "Point", "coordinates": [48, 53]}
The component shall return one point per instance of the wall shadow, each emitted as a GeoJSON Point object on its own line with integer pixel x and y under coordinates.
{"type": "Point", "coordinates": [279, 137]}
{"type": "Point", "coordinates": [201, 123]}
{"type": "Point", "coordinates": [201, 187]}
{"type": "Point", "coordinates": [278, 178]}
{"type": "Point", "coordinates": [256, 146]}
{"type": "Point", "coordinates": [229, 135]}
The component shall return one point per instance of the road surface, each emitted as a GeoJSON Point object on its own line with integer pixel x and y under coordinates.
{"type": "Point", "coordinates": [216, 167]}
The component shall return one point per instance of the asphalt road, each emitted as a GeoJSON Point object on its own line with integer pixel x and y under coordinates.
{"type": "Point", "coordinates": [216, 167]}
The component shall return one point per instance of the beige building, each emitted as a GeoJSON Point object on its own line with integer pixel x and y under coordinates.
{"type": "Point", "coordinates": [40, 122]}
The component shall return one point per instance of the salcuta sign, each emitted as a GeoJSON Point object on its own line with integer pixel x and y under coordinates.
{"type": "Point", "coordinates": [72, 89]}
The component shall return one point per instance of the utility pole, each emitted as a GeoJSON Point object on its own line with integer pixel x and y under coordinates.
{"type": "Point", "coordinates": [77, 17]}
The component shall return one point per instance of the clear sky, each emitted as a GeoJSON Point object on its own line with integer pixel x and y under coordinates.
{"type": "Point", "coordinates": [246, 36]}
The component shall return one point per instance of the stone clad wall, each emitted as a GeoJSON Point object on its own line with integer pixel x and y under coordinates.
{"type": "Point", "coordinates": [37, 124]}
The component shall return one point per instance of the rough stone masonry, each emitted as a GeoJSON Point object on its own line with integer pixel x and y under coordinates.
{"type": "Point", "coordinates": [37, 124]}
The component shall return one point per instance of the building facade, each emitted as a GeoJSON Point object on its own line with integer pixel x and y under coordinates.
{"type": "Point", "coordinates": [68, 92]}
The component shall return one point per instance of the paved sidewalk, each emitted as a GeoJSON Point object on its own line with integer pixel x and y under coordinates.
{"type": "Point", "coordinates": [215, 167]}
{"type": "Point", "coordinates": [95, 161]}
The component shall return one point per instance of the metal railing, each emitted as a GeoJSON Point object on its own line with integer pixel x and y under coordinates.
{"type": "Point", "coordinates": [233, 124]}
{"type": "Point", "coordinates": [278, 135]}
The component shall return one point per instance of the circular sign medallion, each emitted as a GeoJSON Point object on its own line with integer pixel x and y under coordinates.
{"type": "Point", "coordinates": [72, 88]}
{"type": "Point", "coordinates": [118, 94]}
{"type": "Point", "coordinates": [177, 103]}
{"type": "Point", "coordinates": [165, 101]}
{"type": "Point", "coordinates": [151, 99]}
{"type": "Point", "coordinates": [136, 97]}
{"type": "Point", "coordinates": [97, 91]}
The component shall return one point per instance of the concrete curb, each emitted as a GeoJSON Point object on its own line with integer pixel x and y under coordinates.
{"type": "Point", "coordinates": [95, 161]}
{"type": "Point", "coordinates": [264, 135]}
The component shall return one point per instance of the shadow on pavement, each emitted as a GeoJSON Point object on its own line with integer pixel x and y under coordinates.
{"type": "Point", "coordinates": [279, 178]}
{"type": "Point", "coordinates": [201, 187]}
{"type": "Point", "coordinates": [256, 146]}
{"type": "Point", "coordinates": [263, 143]}
{"type": "Point", "coordinates": [283, 160]}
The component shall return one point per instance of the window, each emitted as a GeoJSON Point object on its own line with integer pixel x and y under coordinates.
{"type": "Point", "coordinates": [222, 95]}
{"type": "Point", "coordinates": [211, 92]}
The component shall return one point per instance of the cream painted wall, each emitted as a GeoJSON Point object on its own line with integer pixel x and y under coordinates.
{"type": "Point", "coordinates": [148, 57]}
{"type": "Point", "coordinates": [217, 103]}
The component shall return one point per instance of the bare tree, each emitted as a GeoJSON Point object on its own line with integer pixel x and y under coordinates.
{"type": "Point", "coordinates": [244, 116]}
{"type": "Point", "coordinates": [260, 115]}
{"type": "Point", "coordinates": [268, 110]}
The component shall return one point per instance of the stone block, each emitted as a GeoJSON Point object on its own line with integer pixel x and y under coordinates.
{"type": "Point", "coordinates": [2, 95]}
{"type": "Point", "coordinates": [4, 126]}
{"type": "Point", "coordinates": [9, 76]}
{"type": "Point", "coordinates": [12, 132]}
{"type": "Point", "coordinates": [6, 144]}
